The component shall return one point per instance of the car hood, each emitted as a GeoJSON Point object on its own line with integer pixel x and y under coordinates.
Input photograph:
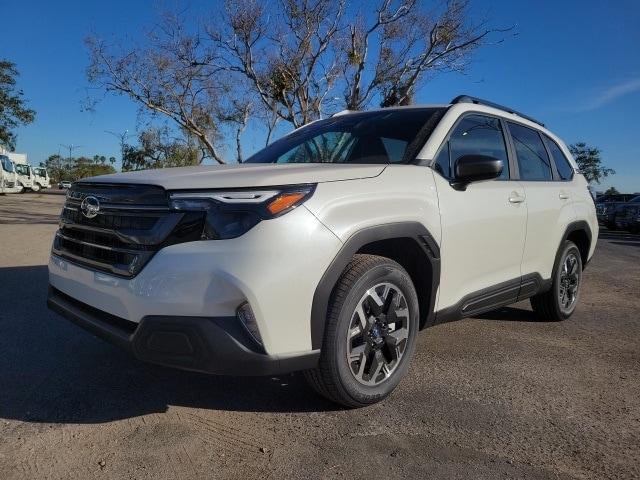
{"type": "Point", "coordinates": [243, 175]}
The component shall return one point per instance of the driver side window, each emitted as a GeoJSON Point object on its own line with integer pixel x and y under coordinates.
{"type": "Point", "coordinates": [474, 135]}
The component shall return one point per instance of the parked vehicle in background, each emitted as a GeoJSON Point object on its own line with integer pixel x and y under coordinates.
{"type": "Point", "coordinates": [42, 177]}
{"type": "Point", "coordinates": [26, 177]}
{"type": "Point", "coordinates": [607, 207]}
{"type": "Point", "coordinates": [331, 247]}
{"type": "Point", "coordinates": [628, 216]}
{"type": "Point", "coordinates": [64, 184]}
{"type": "Point", "coordinates": [8, 176]}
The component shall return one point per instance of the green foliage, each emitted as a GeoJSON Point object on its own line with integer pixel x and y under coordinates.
{"type": "Point", "coordinates": [611, 191]}
{"type": "Point", "coordinates": [156, 149]}
{"type": "Point", "coordinates": [13, 112]}
{"type": "Point", "coordinates": [589, 162]}
{"type": "Point", "coordinates": [60, 168]}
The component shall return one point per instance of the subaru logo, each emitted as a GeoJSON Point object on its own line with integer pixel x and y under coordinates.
{"type": "Point", "coordinates": [90, 206]}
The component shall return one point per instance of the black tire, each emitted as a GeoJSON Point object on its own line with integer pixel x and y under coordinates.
{"type": "Point", "coordinates": [334, 378]}
{"type": "Point", "coordinates": [548, 305]}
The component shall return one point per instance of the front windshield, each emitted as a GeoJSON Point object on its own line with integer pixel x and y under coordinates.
{"type": "Point", "coordinates": [41, 172]}
{"type": "Point", "coordinates": [22, 169]}
{"type": "Point", "coordinates": [7, 165]}
{"type": "Point", "coordinates": [384, 136]}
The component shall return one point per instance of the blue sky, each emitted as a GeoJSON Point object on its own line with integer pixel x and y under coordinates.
{"type": "Point", "coordinates": [574, 65]}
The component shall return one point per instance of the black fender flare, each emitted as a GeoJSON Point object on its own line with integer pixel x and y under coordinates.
{"type": "Point", "coordinates": [578, 225]}
{"type": "Point", "coordinates": [355, 242]}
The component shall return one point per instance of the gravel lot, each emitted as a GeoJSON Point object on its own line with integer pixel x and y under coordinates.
{"type": "Point", "coordinates": [500, 396]}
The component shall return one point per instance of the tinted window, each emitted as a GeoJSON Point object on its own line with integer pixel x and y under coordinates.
{"type": "Point", "coordinates": [533, 161]}
{"type": "Point", "coordinates": [562, 164]}
{"type": "Point", "coordinates": [368, 137]}
{"type": "Point", "coordinates": [442, 165]}
{"type": "Point", "coordinates": [479, 135]}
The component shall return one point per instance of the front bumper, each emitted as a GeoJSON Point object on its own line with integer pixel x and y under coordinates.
{"type": "Point", "coordinates": [275, 267]}
{"type": "Point", "coordinates": [216, 345]}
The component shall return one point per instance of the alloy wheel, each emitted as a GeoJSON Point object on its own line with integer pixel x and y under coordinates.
{"type": "Point", "coordinates": [377, 334]}
{"type": "Point", "coordinates": [569, 282]}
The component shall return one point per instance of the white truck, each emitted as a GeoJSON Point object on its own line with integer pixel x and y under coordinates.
{"type": "Point", "coordinates": [25, 177]}
{"type": "Point", "coordinates": [41, 179]}
{"type": "Point", "coordinates": [8, 176]}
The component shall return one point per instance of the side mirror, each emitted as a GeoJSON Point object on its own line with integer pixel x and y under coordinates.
{"type": "Point", "coordinates": [473, 168]}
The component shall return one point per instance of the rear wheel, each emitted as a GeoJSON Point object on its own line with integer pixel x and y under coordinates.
{"type": "Point", "coordinates": [370, 333]}
{"type": "Point", "coordinates": [560, 301]}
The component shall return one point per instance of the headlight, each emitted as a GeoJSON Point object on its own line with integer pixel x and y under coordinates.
{"type": "Point", "coordinates": [231, 213]}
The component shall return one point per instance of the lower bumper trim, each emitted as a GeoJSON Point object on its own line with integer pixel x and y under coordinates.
{"type": "Point", "coordinates": [216, 345]}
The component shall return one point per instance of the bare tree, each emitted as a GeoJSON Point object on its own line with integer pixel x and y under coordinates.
{"type": "Point", "coordinates": [174, 75]}
{"type": "Point", "coordinates": [287, 54]}
{"type": "Point", "coordinates": [290, 61]}
{"type": "Point", "coordinates": [410, 42]}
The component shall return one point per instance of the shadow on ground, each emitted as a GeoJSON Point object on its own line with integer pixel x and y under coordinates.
{"type": "Point", "coordinates": [53, 371]}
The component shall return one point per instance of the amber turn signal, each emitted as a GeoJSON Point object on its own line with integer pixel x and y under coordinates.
{"type": "Point", "coordinates": [284, 201]}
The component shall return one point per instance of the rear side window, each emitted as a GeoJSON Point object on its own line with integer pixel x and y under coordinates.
{"type": "Point", "coordinates": [565, 171]}
{"type": "Point", "coordinates": [533, 161]}
{"type": "Point", "coordinates": [479, 135]}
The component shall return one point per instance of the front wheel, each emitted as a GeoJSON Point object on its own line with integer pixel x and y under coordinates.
{"type": "Point", "coordinates": [370, 334]}
{"type": "Point", "coordinates": [560, 301]}
{"type": "Point", "coordinates": [35, 187]}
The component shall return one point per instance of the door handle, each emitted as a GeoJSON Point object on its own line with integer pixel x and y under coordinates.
{"type": "Point", "coordinates": [563, 196]}
{"type": "Point", "coordinates": [515, 198]}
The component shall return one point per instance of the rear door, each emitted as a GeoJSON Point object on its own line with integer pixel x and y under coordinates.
{"type": "Point", "coordinates": [483, 227]}
{"type": "Point", "coordinates": [549, 201]}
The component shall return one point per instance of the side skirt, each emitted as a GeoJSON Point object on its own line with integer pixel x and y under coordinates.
{"type": "Point", "coordinates": [497, 296]}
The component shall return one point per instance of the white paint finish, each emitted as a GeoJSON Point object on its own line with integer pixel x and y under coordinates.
{"type": "Point", "coordinates": [276, 266]}
{"type": "Point", "coordinates": [547, 218]}
{"type": "Point", "coordinates": [402, 193]}
{"type": "Point", "coordinates": [243, 175]}
{"type": "Point", "coordinates": [584, 207]}
{"type": "Point", "coordinates": [483, 237]}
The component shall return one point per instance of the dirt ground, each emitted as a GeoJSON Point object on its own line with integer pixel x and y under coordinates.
{"type": "Point", "coordinates": [499, 396]}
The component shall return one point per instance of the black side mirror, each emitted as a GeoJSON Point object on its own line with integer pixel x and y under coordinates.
{"type": "Point", "coordinates": [473, 168]}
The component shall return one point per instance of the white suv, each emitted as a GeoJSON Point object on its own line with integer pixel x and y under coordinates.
{"type": "Point", "coordinates": [328, 250]}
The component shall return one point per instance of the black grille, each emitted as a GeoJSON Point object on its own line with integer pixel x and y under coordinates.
{"type": "Point", "coordinates": [110, 220]}
{"type": "Point", "coordinates": [132, 223]}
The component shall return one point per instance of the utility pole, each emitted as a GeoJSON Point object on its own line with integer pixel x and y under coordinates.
{"type": "Point", "coordinates": [71, 148]}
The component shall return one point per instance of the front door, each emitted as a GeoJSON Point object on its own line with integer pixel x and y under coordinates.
{"type": "Point", "coordinates": [484, 226]}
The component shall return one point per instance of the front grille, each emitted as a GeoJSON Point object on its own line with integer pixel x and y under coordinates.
{"type": "Point", "coordinates": [133, 222]}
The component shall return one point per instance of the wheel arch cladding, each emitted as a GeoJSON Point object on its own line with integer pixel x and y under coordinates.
{"type": "Point", "coordinates": [579, 233]}
{"type": "Point", "coordinates": [408, 243]}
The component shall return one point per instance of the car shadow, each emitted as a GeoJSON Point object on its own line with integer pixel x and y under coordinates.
{"type": "Point", "coordinates": [627, 244]}
{"type": "Point", "coordinates": [52, 371]}
{"type": "Point", "coordinates": [509, 314]}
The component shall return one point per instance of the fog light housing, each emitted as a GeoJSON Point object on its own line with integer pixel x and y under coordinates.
{"type": "Point", "coordinates": [248, 321]}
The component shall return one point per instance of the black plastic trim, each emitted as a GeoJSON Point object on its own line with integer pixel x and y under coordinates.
{"type": "Point", "coordinates": [322, 295]}
{"type": "Point", "coordinates": [493, 297]}
{"type": "Point", "coordinates": [479, 101]}
{"type": "Point", "coordinates": [215, 345]}
{"type": "Point", "coordinates": [576, 226]}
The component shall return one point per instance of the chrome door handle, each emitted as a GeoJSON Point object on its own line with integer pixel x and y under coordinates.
{"type": "Point", "coordinates": [515, 198]}
{"type": "Point", "coordinates": [563, 196]}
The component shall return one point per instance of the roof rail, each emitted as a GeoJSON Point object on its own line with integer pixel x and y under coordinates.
{"type": "Point", "coordinates": [479, 101]}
